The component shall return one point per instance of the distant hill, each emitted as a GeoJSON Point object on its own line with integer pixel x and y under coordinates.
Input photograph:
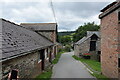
{"type": "Point", "coordinates": [65, 33]}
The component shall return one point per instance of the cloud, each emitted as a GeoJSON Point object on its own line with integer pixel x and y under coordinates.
{"type": "Point", "coordinates": [32, 12]}
{"type": "Point", "coordinates": [70, 15]}
{"type": "Point", "coordinates": [56, 1]}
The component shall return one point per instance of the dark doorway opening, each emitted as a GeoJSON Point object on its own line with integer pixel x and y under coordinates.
{"type": "Point", "coordinates": [99, 54]}
{"type": "Point", "coordinates": [42, 57]}
{"type": "Point", "coordinates": [55, 51]}
{"type": "Point", "coordinates": [118, 62]}
{"type": "Point", "coordinates": [119, 17]}
{"type": "Point", "coordinates": [92, 45]}
{"type": "Point", "coordinates": [50, 57]}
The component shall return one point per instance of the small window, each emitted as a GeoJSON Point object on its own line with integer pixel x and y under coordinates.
{"type": "Point", "coordinates": [119, 17]}
{"type": "Point", "coordinates": [39, 57]}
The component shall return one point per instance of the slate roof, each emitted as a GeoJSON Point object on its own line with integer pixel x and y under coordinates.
{"type": "Point", "coordinates": [89, 34]}
{"type": "Point", "coordinates": [81, 40]}
{"type": "Point", "coordinates": [109, 9]}
{"type": "Point", "coordinates": [93, 32]}
{"type": "Point", "coordinates": [40, 26]}
{"type": "Point", "coordinates": [17, 40]}
{"type": "Point", "coordinates": [108, 6]}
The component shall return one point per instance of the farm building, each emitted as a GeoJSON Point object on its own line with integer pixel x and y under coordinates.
{"type": "Point", "coordinates": [110, 40]}
{"type": "Point", "coordinates": [23, 49]}
{"type": "Point", "coordinates": [48, 30]}
{"type": "Point", "coordinates": [89, 44]}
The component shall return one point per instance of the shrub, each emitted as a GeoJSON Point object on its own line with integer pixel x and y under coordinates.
{"type": "Point", "coordinates": [67, 48]}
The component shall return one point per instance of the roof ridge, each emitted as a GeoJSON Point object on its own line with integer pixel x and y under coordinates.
{"type": "Point", "coordinates": [36, 23]}
{"type": "Point", "coordinates": [11, 22]}
{"type": "Point", "coordinates": [85, 38]}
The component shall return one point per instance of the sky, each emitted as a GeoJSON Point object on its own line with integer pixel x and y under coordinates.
{"type": "Point", "coordinates": [70, 14]}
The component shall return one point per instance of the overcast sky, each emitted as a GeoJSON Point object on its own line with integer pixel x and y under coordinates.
{"type": "Point", "coordinates": [70, 14]}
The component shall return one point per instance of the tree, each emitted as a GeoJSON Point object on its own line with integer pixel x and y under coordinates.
{"type": "Point", "coordinates": [66, 39]}
{"type": "Point", "coordinates": [82, 30]}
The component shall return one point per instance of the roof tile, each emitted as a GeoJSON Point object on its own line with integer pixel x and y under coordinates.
{"type": "Point", "coordinates": [17, 40]}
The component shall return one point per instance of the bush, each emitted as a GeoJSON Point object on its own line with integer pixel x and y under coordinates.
{"type": "Point", "coordinates": [67, 48]}
{"type": "Point", "coordinates": [61, 50]}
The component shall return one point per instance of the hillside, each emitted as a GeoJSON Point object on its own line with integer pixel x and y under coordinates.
{"type": "Point", "coordinates": [65, 33]}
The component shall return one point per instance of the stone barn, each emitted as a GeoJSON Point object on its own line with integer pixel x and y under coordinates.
{"type": "Point", "coordinates": [89, 44]}
{"type": "Point", "coordinates": [110, 40]}
{"type": "Point", "coordinates": [23, 49]}
{"type": "Point", "coordinates": [48, 30]}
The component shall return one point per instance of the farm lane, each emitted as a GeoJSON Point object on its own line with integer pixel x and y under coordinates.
{"type": "Point", "coordinates": [68, 67]}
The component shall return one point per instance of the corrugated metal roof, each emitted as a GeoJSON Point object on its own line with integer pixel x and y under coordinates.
{"type": "Point", "coordinates": [40, 26]}
{"type": "Point", "coordinates": [17, 40]}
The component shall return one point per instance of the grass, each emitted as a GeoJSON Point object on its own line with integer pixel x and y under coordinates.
{"type": "Point", "coordinates": [45, 75]}
{"type": "Point", "coordinates": [48, 73]}
{"type": "Point", "coordinates": [100, 76]}
{"type": "Point", "coordinates": [55, 61]}
{"type": "Point", "coordinates": [95, 65]}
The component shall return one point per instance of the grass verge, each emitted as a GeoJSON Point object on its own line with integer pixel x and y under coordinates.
{"type": "Point", "coordinates": [48, 73]}
{"type": "Point", "coordinates": [55, 61]}
{"type": "Point", "coordinates": [95, 65]}
{"type": "Point", "coordinates": [45, 75]}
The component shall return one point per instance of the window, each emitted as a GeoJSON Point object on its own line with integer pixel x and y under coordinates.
{"type": "Point", "coordinates": [41, 55]}
{"type": "Point", "coordinates": [119, 17]}
{"type": "Point", "coordinates": [99, 52]}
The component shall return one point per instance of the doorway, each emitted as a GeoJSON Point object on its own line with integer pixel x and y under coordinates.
{"type": "Point", "coordinates": [50, 57]}
{"type": "Point", "coordinates": [92, 45]}
{"type": "Point", "coordinates": [42, 57]}
{"type": "Point", "coordinates": [55, 51]}
{"type": "Point", "coordinates": [99, 56]}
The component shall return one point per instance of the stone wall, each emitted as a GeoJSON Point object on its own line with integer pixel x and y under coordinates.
{"type": "Point", "coordinates": [85, 48]}
{"type": "Point", "coordinates": [98, 44]}
{"type": "Point", "coordinates": [76, 50]}
{"type": "Point", "coordinates": [28, 65]}
{"type": "Point", "coordinates": [109, 45]}
{"type": "Point", "coordinates": [51, 35]}
{"type": "Point", "coordinates": [119, 44]}
{"type": "Point", "coordinates": [82, 48]}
